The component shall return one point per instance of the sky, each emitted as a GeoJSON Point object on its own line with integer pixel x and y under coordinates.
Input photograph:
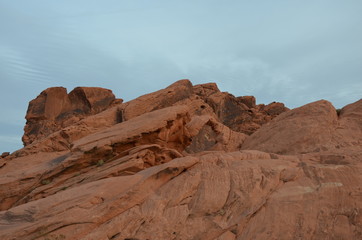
{"type": "Point", "coordinates": [291, 51]}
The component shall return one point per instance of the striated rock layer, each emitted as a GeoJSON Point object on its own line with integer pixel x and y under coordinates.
{"type": "Point", "coordinates": [185, 162]}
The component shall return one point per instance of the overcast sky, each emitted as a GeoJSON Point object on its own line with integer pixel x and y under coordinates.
{"type": "Point", "coordinates": [282, 50]}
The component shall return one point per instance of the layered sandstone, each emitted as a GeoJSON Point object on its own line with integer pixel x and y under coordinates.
{"type": "Point", "coordinates": [185, 162]}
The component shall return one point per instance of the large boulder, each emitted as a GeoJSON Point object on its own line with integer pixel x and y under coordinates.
{"type": "Point", "coordinates": [54, 109]}
{"type": "Point", "coordinates": [297, 131]}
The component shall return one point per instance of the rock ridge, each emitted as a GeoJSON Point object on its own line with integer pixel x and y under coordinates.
{"type": "Point", "coordinates": [185, 162]}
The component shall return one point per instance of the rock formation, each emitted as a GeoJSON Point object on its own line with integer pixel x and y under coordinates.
{"type": "Point", "coordinates": [185, 162]}
{"type": "Point", "coordinates": [54, 109]}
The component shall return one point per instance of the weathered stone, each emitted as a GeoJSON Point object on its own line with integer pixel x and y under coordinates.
{"type": "Point", "coordinates": [167, 166]}
{"type": "Point", "coordinates": [240, 114]}
{"type": "Point", "coordinates": [309, 128]}
{"type": "Point", "coordinates": [5, 154]}
{"type": "Point", "coordinates": [248, 101]}
{"type": "Point", "coordinates": [54, 109]}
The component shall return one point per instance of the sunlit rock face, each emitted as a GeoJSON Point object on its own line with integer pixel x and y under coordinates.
{"type": "Point", "coordinates": [185, 162]}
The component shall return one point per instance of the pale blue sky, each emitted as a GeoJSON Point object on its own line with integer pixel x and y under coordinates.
{"type": "Point", "coordinates": [282, 50]}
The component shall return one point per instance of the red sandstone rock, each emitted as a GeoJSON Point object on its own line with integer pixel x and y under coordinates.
{"type": "Point", "coordinates": [54, 109]}
{"type": "Point", "coordinates": [310, 128]}
{"type": "Point", "coordinates": [238, 113]}
{"type": "Point", "coordinates": [275, 108]}
{"type": "Point", "coordinates": [163, 98]}
{"type": "Point", "coordinates": [248, 101]}
{"type": "Point", "coordinates": [5, 154]}
{"type": "Point", "coordinates": [170, 165]}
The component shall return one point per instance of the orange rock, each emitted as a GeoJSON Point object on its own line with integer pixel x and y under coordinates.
{"type": "Point", "coordinates": [167, 166]}
{"type": "Point", "coordinates": [240, 114]}
{"type": "Point", "coordinates": [305, 129]}
{"type": "Point", "coordinates": [178, 91]}
{"type": "Point", "coordinates": [248, 101]}
{"type": "Point", "coordinates": [5, 154]}
{"type": "Point", "coordinates": [54, 109]}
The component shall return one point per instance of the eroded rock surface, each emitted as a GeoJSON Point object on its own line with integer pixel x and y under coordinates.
{"type": "Point", "coordinates": [54, 109]}
{"type": "Point", "coordinates": [241, 114]}
{"type": "Point", "coordinates": [314, 127]}
{"type": "Point", "coordinates": [180, 164]}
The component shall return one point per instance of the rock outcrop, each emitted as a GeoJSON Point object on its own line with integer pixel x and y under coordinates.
{"type": "Point", "coordinates": [54, 109]}
{"type": "Point", "coordinates": [315, 127]}
{"type": "Point", "coordinates": [185, 162]}
{"type": "Point", "coordinates": [238, 113]}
